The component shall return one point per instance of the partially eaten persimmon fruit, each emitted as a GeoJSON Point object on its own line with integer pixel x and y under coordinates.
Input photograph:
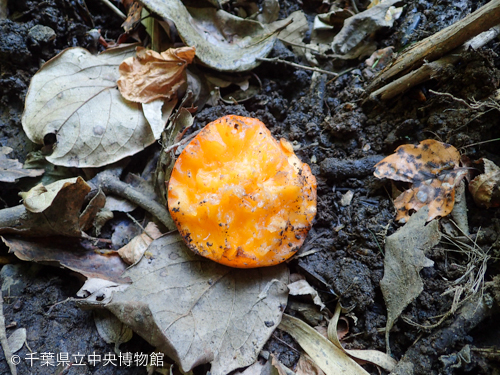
{"type": "Point", "coordinates": [240, 197]}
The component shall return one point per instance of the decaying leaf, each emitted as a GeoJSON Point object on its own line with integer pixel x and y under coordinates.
{"type": "Point", "coordinates": [53, 173]}
{"type": "Point", "coordinates": [433, 168]}
{"type": "Point", "coordinates": [67, 253]}
{"type": "Point", "coordinates": [306, 366]}
{"type": "Point", "coordinates": [12, 169]}
{"type": "Point", "coordinates": [73, 98]}
{"type": "Point", "coordinates": [359, 26]}
{"type": "Point", "coordinates": [53, 210]}
{"type": "Point", "coordinates": [157, 113]}
{"type": "Point", "coordinates": [133, 16]}
{"type": "Point", "coordinates": [132, 252]}
{"type": "Point", "coordinates": [485, 188]}
{"type": "Point", "coordinates": [269, 12]}
{"type": "Point", "coordinates": [17, 339]}
{"type": "Point", "coordinates": [278, 368]}
{"type": "Point", "coordinates": [404, 258]}
{"type": "Point", "coordinates": [257, 368]}
{"type": "Point", "coordinates": [375, 357]}
{"type": "Point", "coordinates": [198, 311]}
{"type": "Point", "coordinates": [111, 329]}
{"type": "Point", "coordinates": [326, 355]}
{"type": "Point", "coordinates": [294, 31]}
{"type": "Point", "coordinates": [302, 287]}
{"type": "Point", "coordinates": [151, 75]}
{"type": "Point", "coordinates": [223, 41]}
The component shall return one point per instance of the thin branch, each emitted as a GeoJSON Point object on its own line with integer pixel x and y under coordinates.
{"type": "Point", "coordinates": [115, 9]}
{"type": "Point", "coordinates": [442, 42]}
{"type": "Point", "coordinates": [110, 183]}
{"type": "Point", "coordinates": [275, 59]}
{"type": "Point", "coordinates": [433, 69]}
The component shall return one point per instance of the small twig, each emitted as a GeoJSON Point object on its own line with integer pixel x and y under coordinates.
{"type": "Point", "coordinates": [460, 100]}
{"type": "Point", "coordinates": [442, 42]}
{"type": "Point", "coordinates": [3, 339]}
{"type": "Point", "coordinates": [181, 142]}
{"type": "Point", "coordinates": [275, 59]}
{"type": "Point", "coordinates": [299, 45]}
{"type": "Point", "coordinates": [110, 183]}
{"type": "Point", "coordinates": [433, 70]}
{"type": "Point", "coordinates": [140, 226]}
{"type": "Point", "coordinates": [115, 9]}
{"type": "Point", "coordinates": [480, 143]}
{"type": "Point", "coordinates": [355, 6]}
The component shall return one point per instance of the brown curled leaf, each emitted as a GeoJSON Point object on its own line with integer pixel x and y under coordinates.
{"type": "Point", "coordinates": [485, 188]}
{"type": "Point", "coordinates": [433, 169]}
{"type": "Point", "coordinates": [133, 16]}
{"type": "Point", "coordinates": [152, 75]}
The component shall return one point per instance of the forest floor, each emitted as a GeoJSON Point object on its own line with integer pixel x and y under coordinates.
{"type": "Point", "coordinates": [331, 125]}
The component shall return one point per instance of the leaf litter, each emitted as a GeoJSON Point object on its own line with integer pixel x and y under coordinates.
{"type": "Point", "coordinates": [73, 98]}
{"type": "Point", "coordinates": [12, 169]}
{"type": "Point", "coordinates": [433, 169]}
{"type": "Point", "coordinates": [151, 75]}
{"type": "Point", "coordinates": [223, 42]}
{"type": "Point", "coordinates": [52, 210]}
{"type": "Point", "coordinates": [405, 253]}
{"type": "Point", "coordinates": [485, 188]}
{"type": "Point", "coordinates": [446, 167]}
{"type": "Point", "coordinates": [197, 311]}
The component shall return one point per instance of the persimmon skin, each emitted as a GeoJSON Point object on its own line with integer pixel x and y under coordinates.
{"type": "Point", "coordinates": [240, 197]}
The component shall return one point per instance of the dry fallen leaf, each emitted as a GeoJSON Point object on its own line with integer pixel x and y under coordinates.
{"type": "Point", "coordinates": [54, 210]}
{"type": "Point", "coordinates": [362, 356]}
{"type": "Point", "coordinates": [223, 41]}
{"type": "Point", "coordinates": [151, 75]}
{"type": "Point", "coordinates": [485, 188]}
{"type": "Point", "coordinates": [73, 99]}
{"type": "Point", "coordinates": [433, 168]}
{"type": "Point", "coordinates": [359, 26]}
{"type": "Point", "coordinates": [132, 252]}
{"type": "Point", "coordinates": [12, 169]}
{"type": "Point", "coordinates": [17, 339]}
{"type": "Point", "coordinates": [133, 16]}
{"type": "Point", "coordinates": [111, 330]}
{"type": "Point", "coordinates": [67, 253]}
{"type": "Point", "coordinates": [198, 311]}
{"type": "Point", "coordinates": [329, 358]}
{"type": "Point", "coordinates": [306, 366]}
{"type": "Point", "coordinates": [302, 287]}
{"type": "Point", "coordinates": [404, 258]}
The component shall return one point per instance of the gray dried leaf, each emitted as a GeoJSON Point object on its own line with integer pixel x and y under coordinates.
{"type": "Point", "coordinates": [302, 287]}
{"type": "Point", "coordinates": [198, 311]}
{"type": "Point", "coordinates": [111, 329]}
{"type": "Point", "coordinates": [12, 169]}
{"type": "Point", "coordinates": [74, 97]}
{"type": "Point", "coordinates": [17, 339]}
{"type": "Point", "coordinates": [359, 26]}
{"type": "Point", "coordinates": [404, 258]}
{"type": "Point", "coordinates": [223, 41]}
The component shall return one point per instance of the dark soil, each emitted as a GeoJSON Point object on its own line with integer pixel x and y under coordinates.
{"type": "Point", "coordinates": [341, 136]}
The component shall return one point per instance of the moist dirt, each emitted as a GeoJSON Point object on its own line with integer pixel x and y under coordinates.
{"type": "Point", "coordinates": [341, 136]}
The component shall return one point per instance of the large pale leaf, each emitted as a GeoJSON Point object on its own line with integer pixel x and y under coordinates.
{"type": "Point", "coordinates": [198, 311]}
{"type": "Point", "coordinates": [223, 41]}
{"type": "Point", "coordinates": [74, 97]}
